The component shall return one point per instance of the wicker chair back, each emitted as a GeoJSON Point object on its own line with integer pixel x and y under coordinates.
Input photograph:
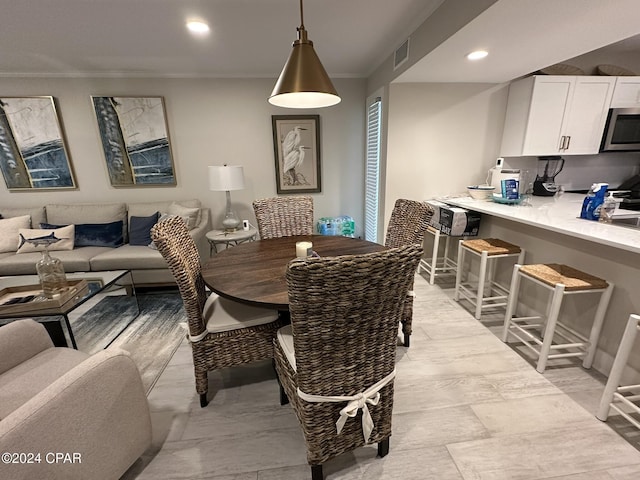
{"type": "Point", "coordinates": [408, 223]}
{"type": "Point", "coordinates": [345, 313]}
{"type": "Point", "coordinates": [407, 226]}
{"type": "Point", "coordinates": [284, 216]}
{"type": "Point", "coordinates": [211, 349]}
{"type": "Point", "coordinates": [171, 238]}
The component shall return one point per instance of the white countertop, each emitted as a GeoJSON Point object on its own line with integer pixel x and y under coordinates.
{"type": "Point", "coordinates": [560, 215]}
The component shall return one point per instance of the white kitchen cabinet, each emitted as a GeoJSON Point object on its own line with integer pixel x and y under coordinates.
{"type": "Point", "coordinates": [556, 114]}
{"type": "Point", "coordinates": [626, 93]}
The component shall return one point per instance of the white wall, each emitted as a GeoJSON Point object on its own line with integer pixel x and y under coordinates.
{"type": "Point", "coordinates": [442, 137]}
{"type": "Point", "coordinates": [211, 122]}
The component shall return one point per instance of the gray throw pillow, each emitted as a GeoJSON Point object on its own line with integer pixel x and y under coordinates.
{"type": "Point", "coordinates": [140, 229]}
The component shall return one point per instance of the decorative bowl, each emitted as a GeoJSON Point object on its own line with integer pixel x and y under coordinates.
{"type": "Point", "coordinates": [480, 192]}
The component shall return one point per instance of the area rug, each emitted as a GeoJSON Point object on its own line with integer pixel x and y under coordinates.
{"type": "Point", "coordinates": [151, 338]}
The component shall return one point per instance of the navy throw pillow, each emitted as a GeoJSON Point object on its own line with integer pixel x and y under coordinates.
{"type": "Point", "coordinates": [140, 229]}
{"type": "Point", "coordinates": [96, 234]}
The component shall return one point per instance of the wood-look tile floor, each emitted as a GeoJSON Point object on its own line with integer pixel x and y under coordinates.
{"type": "Point", "coordinates": [467, 406]}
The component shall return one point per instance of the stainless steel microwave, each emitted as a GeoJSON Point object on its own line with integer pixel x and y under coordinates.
{"type": "Point", "coordinates": [622, 131]}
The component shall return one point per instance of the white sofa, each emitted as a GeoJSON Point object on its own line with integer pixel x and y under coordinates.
{"type": "Point", "coordinates": [147, 265]}
{"type": "Point", "coordinates": [63, 401]}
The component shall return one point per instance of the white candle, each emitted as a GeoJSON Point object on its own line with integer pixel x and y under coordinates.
{"type": "Point", "coordinates": [303, 249]}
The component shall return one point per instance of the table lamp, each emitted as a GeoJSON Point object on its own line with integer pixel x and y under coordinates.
{"type": "Point", "coordinates": [225, 179]}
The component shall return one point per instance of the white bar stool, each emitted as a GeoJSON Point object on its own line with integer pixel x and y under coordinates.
{"type": "Point", "coordinates": [537, 332]}
{"type": "Point", "coordinates": [489, 250]}
{"type": "Point", "coordinates": [438, 265]}
{"type": "Point", "coordinates": [613, 391]}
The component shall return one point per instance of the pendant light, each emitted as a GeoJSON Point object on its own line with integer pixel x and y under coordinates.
{"type": "Point", "coordinates": [303, 83]}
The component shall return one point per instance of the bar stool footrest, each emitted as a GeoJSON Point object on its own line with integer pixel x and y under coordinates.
{"type": "Point", "coordinates": [443, 266]}
{"type": "Point", "coordinates": [470, 292]}
{"type": "Point", "coordinates": [628, 401]}
{"type": "Point", "coordinates": [529, 330]}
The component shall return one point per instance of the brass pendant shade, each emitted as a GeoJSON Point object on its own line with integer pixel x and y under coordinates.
{"type": "Point", "coordinates": [304, 82]}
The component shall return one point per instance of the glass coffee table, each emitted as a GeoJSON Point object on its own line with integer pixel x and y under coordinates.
{"type": "Point", "coordinates": [96, 309]}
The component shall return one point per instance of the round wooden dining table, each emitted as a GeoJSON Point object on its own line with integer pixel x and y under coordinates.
{"type": "Point", "coordinates": [254, 272]}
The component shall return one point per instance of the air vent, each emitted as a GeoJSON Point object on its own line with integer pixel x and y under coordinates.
{"type": "Point", "coordinates": [401, 54]}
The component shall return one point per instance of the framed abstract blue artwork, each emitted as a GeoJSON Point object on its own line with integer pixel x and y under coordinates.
{"type": "Point", "coordinates": [135, 141]}
{"type": "Point", "coordinates": [33, 154]}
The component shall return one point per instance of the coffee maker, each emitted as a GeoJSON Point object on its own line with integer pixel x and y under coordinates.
{"type": "Point", "coordinates": [548, 168]}
{"type": "Point", "coordinates": [498, 173]}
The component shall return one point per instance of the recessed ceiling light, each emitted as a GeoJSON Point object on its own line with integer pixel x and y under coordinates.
{"type": "Point", "coordinates": [477, 55]}
{"type": "Point", "coordinates": [197, 26]}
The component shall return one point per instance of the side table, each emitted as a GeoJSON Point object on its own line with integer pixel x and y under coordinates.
{"type": "Point", "coordinates": [220, 237]}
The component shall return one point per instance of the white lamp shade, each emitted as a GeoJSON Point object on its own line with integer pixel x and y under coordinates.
{"type": "Point", "coordinates": [225, 178]}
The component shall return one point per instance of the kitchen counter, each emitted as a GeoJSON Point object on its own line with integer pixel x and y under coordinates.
{"type": "Point", "coordinates": [551, 232]}
{"type": "Point", "coordinates": [560, 215]}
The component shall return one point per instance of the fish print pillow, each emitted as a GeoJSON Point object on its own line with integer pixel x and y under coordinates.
{"type": "Point", "coordinates": [38, 239]}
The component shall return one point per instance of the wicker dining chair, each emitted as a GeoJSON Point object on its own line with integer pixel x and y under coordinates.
{"type": "Point", "coordinates": [222, 333]}
{"type": "Point", "coordinates": [407, 225]}
{"type": "Point", "coordinates": [284, 216]}
{"type": "Point", "coordinates": [341, 342]}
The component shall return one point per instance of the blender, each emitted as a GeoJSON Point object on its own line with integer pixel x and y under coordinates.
{"type": "Point", "coordinates": [548, 168]}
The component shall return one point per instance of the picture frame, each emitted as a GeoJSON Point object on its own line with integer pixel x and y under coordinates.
{"type": "Point", "coordinates": [135, 140]}
{"type": "Point", "coordinates": [33, 151]}
{"type": "Point", "coordinates": [296, 144]}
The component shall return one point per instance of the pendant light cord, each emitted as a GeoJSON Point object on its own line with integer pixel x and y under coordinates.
{"type": "Point", "coordinates": [302, 32]}
{"type": "Point", "coordinates": [301, 16]}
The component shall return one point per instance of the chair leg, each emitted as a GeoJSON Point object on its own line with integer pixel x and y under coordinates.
{"type": "Point", "coordinates": [481, 284]}
{"type": "Point", "coordinates": [552, 320]}
{"type": "Point", "coordinates": [202, 387]}
{"type": "Point", "coordinates": [383, 447]}
{"type": "Point", "coordinates": [624, 350]}
{"type": "Point", "coordinates": [284, 400]}
{"type": "Point", "coordinates": [512, 301]}
{"type": "Point", "coordinates": [597, 326]}
{"type": "Point", "coordinates": [407, 318]}
{"type": "Point", "coordinates": [456, 295]}
{"type": "Point", "coordinates": [434, 258]}
{"type": "Point", "coordinates": [316, 472]}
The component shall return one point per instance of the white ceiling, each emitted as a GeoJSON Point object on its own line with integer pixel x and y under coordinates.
{"type": "Point", "coordinates": [248, 38]}
{"type": "Point", "coordinates": [252, 38]}
{"type": "Point", "coordinates": [523, 36]}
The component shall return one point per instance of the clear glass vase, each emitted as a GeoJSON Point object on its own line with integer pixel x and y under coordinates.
{"type": "Point", "coordinates": [51, 273]}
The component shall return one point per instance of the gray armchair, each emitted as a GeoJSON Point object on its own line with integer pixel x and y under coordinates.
{"type": "Point", "coordinates": [63, 401]}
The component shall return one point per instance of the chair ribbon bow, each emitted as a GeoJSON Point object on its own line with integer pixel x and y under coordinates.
{"type": "Point", "coordinates": [197, 338]}
{"type": "Point", "coordinates": [359, 401]}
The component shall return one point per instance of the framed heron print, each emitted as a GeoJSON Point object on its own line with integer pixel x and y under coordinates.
{"type": "Point", "coordinates": [135, 140]}
{"type": "Point", "coordinates": [296, 145]}
{"type": "Point", "coordinates": [33, 154]}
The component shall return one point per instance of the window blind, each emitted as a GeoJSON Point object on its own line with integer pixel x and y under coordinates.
{"type": "Point", "coordinates": [372, 173]}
